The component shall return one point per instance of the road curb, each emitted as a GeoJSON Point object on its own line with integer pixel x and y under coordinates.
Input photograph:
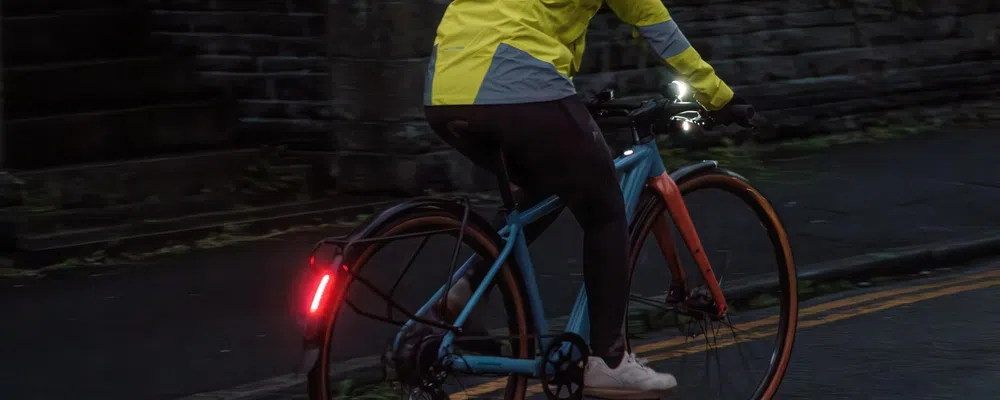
{"type": "Point", "coordinates": [35, 258]}
{"type": "Point", "coordinates": [32, 263]}
{"type": "Point", "coordinates": [899, 261]}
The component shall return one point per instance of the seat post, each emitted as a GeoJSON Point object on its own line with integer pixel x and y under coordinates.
{"type": "Point", "coordinates": [503, 180]}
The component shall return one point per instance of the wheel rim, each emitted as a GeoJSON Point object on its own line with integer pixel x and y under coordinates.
{"type": "Point", "coordinates": [327, 387]}
{"type": "Point", "coordinates": [718, 343]}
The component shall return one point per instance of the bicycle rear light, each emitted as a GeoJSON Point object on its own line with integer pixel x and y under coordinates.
{"type": "Point", "coordinates": [323, 281]}
{"type": "Point", "coordinates": [317, 298]}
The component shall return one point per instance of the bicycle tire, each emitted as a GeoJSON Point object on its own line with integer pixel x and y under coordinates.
{"type": "Point", "coordinates": [478, 235]}
{"type": "Point", "coordinates": [651, 205]}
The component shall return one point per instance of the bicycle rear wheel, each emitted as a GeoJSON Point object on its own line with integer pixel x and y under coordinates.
{"type": "Point", "coordinates": [477, 236]}
{"type": "Point", "coordinates": [657, 312]}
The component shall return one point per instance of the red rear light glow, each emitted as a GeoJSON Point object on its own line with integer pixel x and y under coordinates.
{"type": "Point", "coordinates": [318, 295]}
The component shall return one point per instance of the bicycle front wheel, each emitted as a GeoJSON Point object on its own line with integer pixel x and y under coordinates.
{"type": "Point", "coordinates": [347, 332]}
{"type": "Point", "coordinates": [662, 326]}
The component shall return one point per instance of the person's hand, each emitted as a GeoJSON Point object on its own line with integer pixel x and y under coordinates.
{"type": "Point", "coordinates": [737, 111]}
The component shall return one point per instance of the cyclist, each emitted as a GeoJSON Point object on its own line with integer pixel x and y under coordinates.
{"type": "Point", "coordinates": [499, 79]}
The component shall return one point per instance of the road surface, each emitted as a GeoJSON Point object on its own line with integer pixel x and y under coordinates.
{"type": "Point", "coordinates": [220, 318]}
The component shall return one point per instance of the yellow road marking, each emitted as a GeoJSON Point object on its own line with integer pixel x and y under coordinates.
{"type": "Point", "coordinates": [849, 301]}
{"type": "Point", "coordinates": [850, 313]}
{"type": "Point", "coordinates": [945, 287]}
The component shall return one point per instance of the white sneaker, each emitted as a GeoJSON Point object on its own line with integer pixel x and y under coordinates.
{"type": "Point", "coordinates": [631, 380]}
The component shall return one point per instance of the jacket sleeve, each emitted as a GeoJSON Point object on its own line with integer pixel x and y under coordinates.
{"type": "Point", "coordinates": [651, 19]}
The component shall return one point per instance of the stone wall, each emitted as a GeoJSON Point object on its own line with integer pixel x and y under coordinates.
{"type": "Point", "coordinates": [814, 66]}
{"type": "Point", "coordinates": [269, 55]}
{"type": "Point", "coordinates": [383, 145]}
{"type": "Point", "coordinates": [3, 147]}
{"type": "Point", "coordinates": [353, 96]}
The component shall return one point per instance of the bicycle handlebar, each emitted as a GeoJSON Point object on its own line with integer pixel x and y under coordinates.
{"type": "Point", "coordinates": [695, 120]}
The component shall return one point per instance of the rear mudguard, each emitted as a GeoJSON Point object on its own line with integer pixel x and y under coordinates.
{"type": "Point", "coordinates": [316, 332]}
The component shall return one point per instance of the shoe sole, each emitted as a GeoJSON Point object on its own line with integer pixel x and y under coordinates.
{"type": "Point", "coordinates": [626, 394]}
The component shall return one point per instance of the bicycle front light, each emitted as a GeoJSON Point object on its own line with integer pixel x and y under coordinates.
{"type": "Point", "coordinates": [688, 122]}
{"type": "Point", "coordinates": [680, 90]}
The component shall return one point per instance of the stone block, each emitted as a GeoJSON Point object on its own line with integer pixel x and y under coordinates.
{"type": "Point", "coordinates": [366, 172]}
{"type": "Point", "coordinates": [241, 44]}
{"type": "Point", "coordinates": [943, 81]}
{"type": "Point", "coordinates": [467, 176]}
{"type": "Point", "coordinates": [949, 7]}
{"type": "Point", "coordinates": [616, 56]}
{"type": "Point", "coordinates": [782, 41]}
{"type": "Point", "coordinates": [297, 64]}
{"type": "Point", "coordinates": [868, 62]}
{"type": "Point", "coordinates": [259, 22]}
{"type": "Point", "coordinates": [400, 138]}
{"type": "Point", "coordinates": [257, 108]}
{"type": "Point", "coordinates": [980, 26]}
{"type": "Point", "coordinates": [874, 10]}
{"type": "Point", "coordinates": [753, 70]}
{"type": "Point", "coordinates": [378, 90]}
{"type": "Point", "coordinates": [854, 113]}
{"type": "Point", "coordinates": [908, 29]}
{"type": "Point", "coordinates": [355, 136]}
{"type": "Point", "coordinates": [53, 37]}
{"type": "Point", "coordinates": [415, 137]}
{"type": "Point", "coordinates": [387, 28]}
{"type": "Point", "coordinates": [430, 171]}
{"type": "Point", "coordinates": [229, 63]}
{"type": "Point", "coordinates": [304, 134]}
{"type": "Point", "coordinates": [288, 6]}
{"type": "Point", "coordinates": [273, 85]}
{"type": "Point", "coordinates": [112, 135]}
{"type": "Point", "coordinates": [444, 170]}
{"type": "Point", "coordinates": [628, 82]}
{"type": "Point", "coordinates": [755, 23]}
{"type": "Point", "coordinates": [694, 10]}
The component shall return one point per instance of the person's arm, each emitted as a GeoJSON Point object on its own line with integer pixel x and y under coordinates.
{"type": "Point", "coordinates": [655, 25]}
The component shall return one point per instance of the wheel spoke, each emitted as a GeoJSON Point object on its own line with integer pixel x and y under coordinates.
{"type": "Point", "coordinates": [392, 242]}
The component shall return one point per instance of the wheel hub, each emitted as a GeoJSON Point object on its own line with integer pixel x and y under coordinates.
{"type": "Point", "coordinates": [416, 362]}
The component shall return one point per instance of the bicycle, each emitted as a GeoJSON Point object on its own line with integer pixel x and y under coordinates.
{"type": "Point", "coordinates": [556, 358]}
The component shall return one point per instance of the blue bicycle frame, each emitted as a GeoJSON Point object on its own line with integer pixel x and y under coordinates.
{"type": "Point", "coordinates": [635, 166]}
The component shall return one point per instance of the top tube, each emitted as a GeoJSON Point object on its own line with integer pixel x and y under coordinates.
{"type": "Point", "coordinates": [647, 152]}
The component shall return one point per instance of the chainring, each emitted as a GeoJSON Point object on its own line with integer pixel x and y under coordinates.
{"type": "Point", "coordinates": [566, 357]}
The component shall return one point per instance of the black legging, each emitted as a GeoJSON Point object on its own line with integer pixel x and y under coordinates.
{"type": "Point", "coordinates": [555, 147]}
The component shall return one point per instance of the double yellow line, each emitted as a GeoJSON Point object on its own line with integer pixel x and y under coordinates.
{"type": "Point", "coordinates": [808, 317]}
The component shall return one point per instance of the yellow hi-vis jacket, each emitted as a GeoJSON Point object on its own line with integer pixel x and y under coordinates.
{"type": "Point", "coordinates": [523, 51]}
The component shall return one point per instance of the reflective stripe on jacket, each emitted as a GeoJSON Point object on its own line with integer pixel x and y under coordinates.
{"type": "Point", "coordinates": [521, 51]}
